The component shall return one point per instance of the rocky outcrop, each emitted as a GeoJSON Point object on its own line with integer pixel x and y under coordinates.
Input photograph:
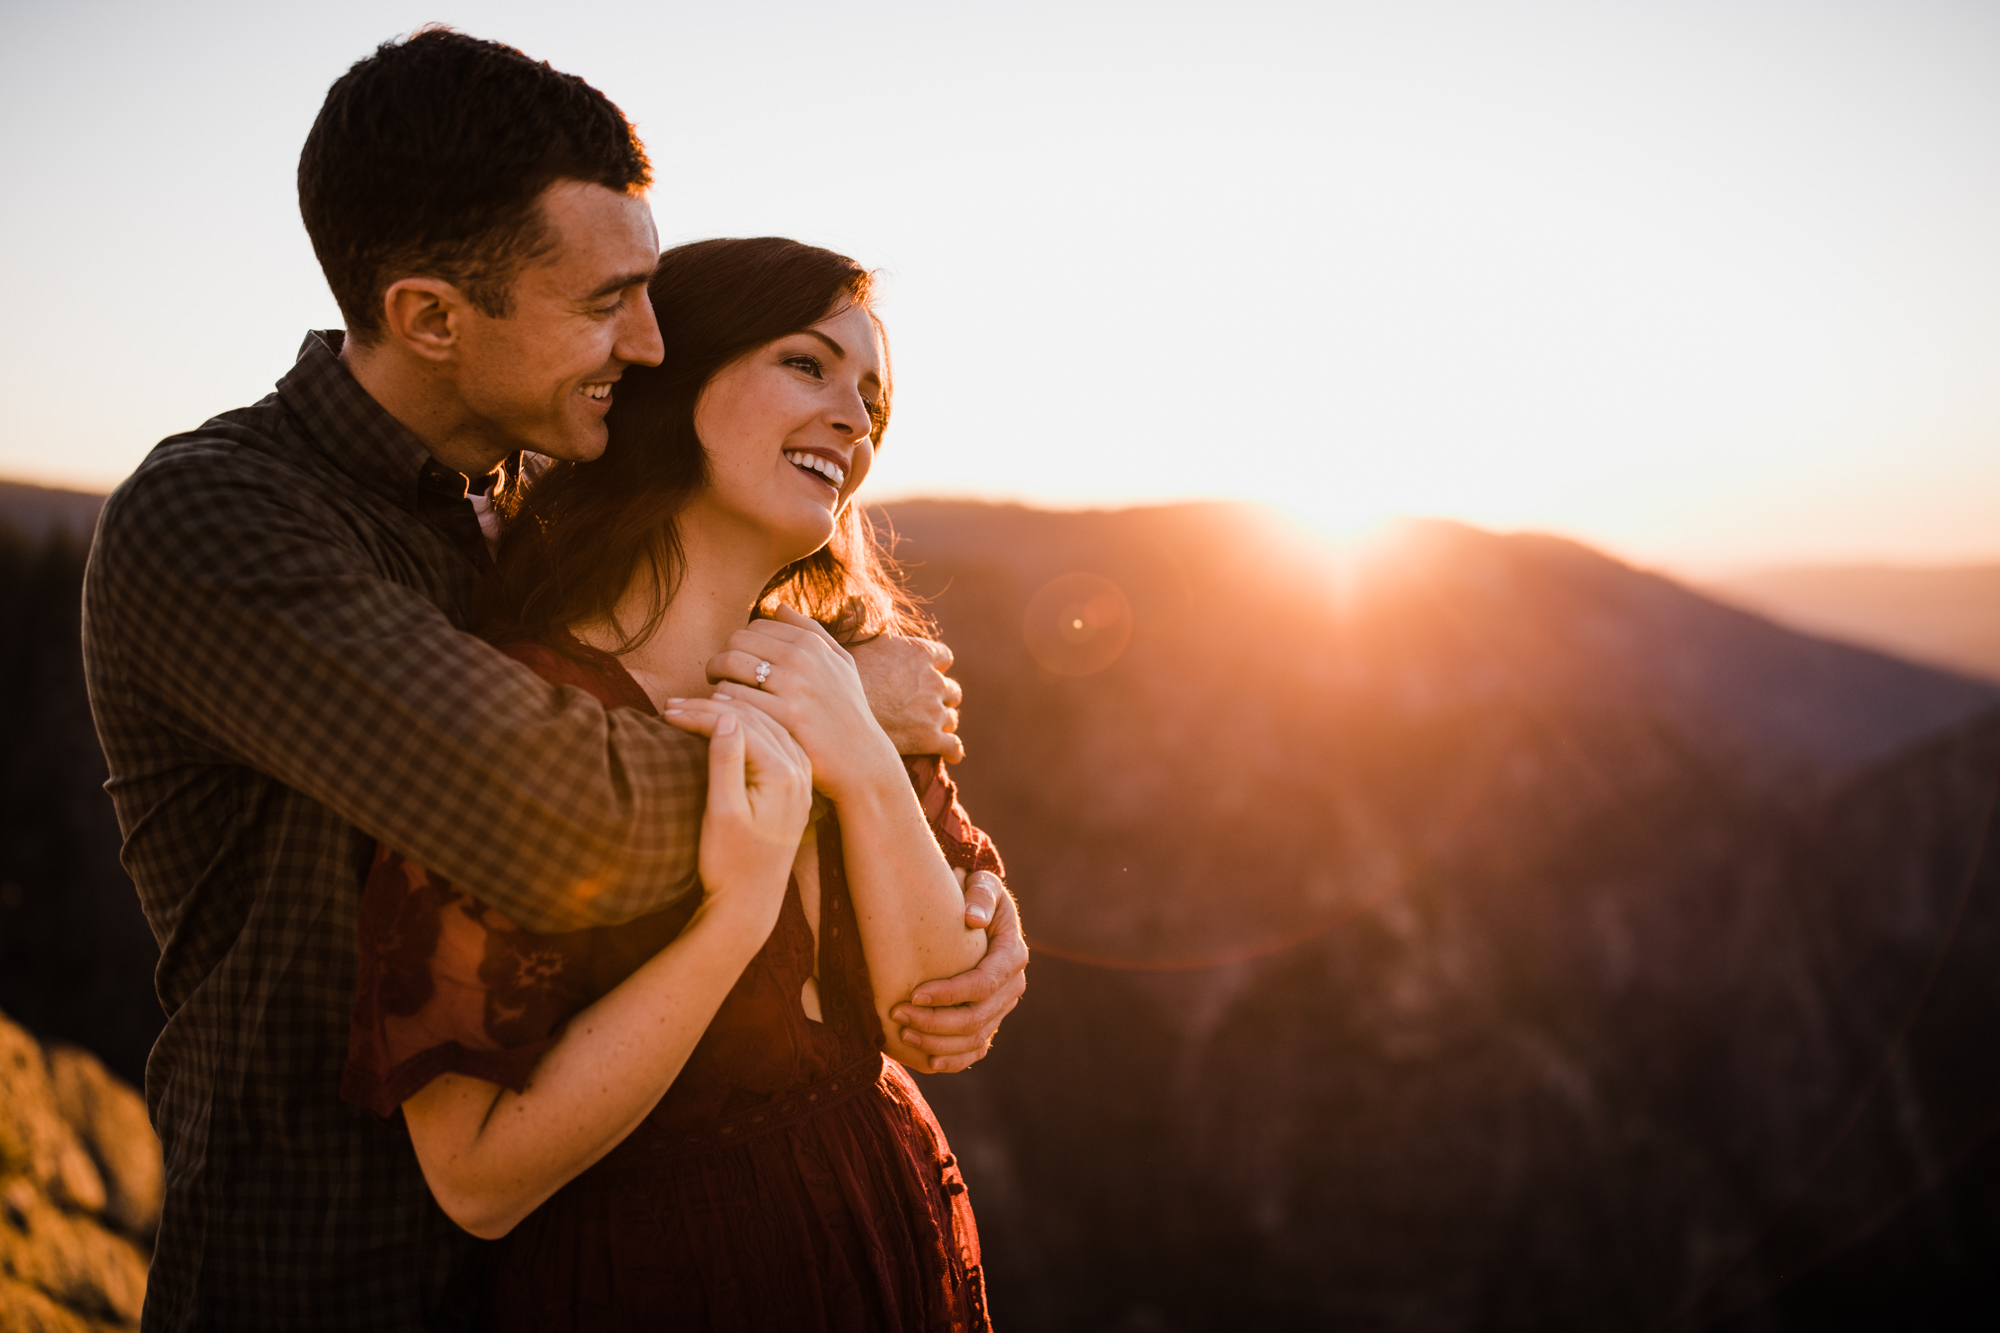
{"type": "Point", "coordinates": [79, 1191]}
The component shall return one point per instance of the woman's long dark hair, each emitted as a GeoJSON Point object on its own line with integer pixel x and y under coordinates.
{"type": "Point", "coordinates": [577, 535]}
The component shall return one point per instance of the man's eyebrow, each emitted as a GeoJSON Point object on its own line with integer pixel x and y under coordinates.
{"type": "Point", "coordinates": [619, 284]}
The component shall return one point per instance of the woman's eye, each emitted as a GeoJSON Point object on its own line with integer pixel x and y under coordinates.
{"type": "Point", "coordinates": [809, 364]}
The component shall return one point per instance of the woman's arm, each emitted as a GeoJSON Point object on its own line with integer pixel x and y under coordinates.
{"type": "Point", "coordinates": [907, 902]}
{"type": "Point", "coordinates": [910, 909]}
{"type": "Point", "coordinates": [490, 1155]}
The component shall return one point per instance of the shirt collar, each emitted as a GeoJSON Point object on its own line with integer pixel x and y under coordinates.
{"type": "Point", "coordinates": [351, 429]}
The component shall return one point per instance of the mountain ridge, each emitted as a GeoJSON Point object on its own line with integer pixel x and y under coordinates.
{"type": "Point", "coordinates": [1946, 616]}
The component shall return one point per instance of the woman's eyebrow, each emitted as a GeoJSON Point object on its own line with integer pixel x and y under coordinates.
{"type": "Point", "coordinates": [838, 350]}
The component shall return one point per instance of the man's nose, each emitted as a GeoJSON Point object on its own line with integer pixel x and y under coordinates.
{"type": "Point", "coordinates": [639, 342]}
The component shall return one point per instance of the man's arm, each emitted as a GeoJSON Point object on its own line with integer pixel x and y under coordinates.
{"type": "Point", "coordinates": [249, 620]}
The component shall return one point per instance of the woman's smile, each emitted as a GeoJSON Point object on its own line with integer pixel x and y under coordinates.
{"type": "Point", "coordinates": [819, 466]}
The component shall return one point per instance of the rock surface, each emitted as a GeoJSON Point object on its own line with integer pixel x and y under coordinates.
{"type": "Point", "coordinates": [111, 1120]}
{"type": "Point", "coordinates": [79, 1191]}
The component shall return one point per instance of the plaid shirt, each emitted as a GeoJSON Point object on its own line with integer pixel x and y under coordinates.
{"type": "Point", "coordinates": [271, 645]}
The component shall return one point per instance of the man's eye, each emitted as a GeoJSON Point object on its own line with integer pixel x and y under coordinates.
{"type": "Point", "coordinates": [606, 311]}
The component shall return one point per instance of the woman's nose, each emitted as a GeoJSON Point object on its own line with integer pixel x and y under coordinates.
{"type": "Point", "coordinates": [850, 415]}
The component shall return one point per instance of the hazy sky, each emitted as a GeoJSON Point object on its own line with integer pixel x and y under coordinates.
{"type": "Point", "coordinates": [1708, 284]}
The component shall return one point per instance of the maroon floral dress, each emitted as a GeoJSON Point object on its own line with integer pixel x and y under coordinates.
{"type": "Point", "coordinates": [792, 1177]}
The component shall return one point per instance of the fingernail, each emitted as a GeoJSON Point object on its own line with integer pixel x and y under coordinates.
{"type": "Point", "coordinates": [718, 695]}
{"type": "Point", "coordinates": [672, 712]}
{"type": "Point", "coordinates": [726, 725]}
{"type": "Point", "coordinates": [675, 699]}
{"type": "Point", "coordinates": [979, 916]}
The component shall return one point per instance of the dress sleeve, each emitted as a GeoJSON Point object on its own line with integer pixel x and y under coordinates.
{"type": "Point", "coordinates": [965, 846]}
{"type": "Point", "coordinates": [447, 984]}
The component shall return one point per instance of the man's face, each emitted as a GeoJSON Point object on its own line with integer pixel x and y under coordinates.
{"type": "Point", "coordinates": [542, 377]}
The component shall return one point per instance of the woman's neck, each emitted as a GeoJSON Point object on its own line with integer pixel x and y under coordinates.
{"type": "Point", "coordinates": [723, 571]}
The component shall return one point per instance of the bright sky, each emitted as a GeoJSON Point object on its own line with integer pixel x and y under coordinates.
{"type": "Point", "coordinates": [1708, 284]}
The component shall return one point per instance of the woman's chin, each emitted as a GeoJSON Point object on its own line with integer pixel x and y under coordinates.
{"type": "Point", "coordinates": [803, 538]}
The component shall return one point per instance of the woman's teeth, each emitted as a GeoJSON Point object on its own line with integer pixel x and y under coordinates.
{"type": "Point", "coordinates": [827, 468]}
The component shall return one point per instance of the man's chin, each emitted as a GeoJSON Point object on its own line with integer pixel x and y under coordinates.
{"type": "Point", "coordinates": [583, 446]}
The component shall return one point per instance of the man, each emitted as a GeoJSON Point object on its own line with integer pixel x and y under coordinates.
{"type": "Point", "coordinates": [272, 644]}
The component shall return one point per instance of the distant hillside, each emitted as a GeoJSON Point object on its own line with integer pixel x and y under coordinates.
{"type": "Point", "coordinates": [36, 511]}
{"type": "Point", "coordinates": [1948, 616]}
{"type": "Point", "coordinates": [1483, 934]}
{"type": "Point", "coordinates": [1471, 932]}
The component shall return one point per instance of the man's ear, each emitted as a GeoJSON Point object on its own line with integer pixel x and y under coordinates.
{"type": "Point", "coordinates": [426, 316]}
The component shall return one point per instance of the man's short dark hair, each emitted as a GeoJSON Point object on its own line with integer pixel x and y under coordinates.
{"type": "Point", "coordinates": [428, 159]}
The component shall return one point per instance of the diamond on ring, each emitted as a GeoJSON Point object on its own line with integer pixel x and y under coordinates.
{"type": "Point", "coordinates": [763, 672]}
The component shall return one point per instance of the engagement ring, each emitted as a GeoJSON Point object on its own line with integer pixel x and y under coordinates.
{"type": "Point", "coordinates": [763, 672]}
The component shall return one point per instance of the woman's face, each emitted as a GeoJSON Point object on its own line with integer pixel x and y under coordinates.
{"type": "Point", "coordinates": [786, 428]}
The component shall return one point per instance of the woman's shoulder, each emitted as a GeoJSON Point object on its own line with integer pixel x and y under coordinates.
{"type": "Point", "coordinates": [567, 661]}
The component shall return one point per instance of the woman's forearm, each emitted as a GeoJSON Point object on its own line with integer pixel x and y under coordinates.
{"type": "Point", "coordinates": [492, 1156]}
{"type": "Point", "coordinates": [907, 901]}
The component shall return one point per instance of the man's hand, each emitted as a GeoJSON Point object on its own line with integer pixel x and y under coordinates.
{"type": "Point", "coordinates": [953, 1021]}
{"type": "Point", "coordinates": [916, 703]}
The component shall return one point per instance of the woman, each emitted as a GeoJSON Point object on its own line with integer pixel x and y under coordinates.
{"type": "Point", "coordinates": [686, 1121]}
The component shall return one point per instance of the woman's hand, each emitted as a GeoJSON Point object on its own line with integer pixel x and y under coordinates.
{"type": "Point", "coordinates": [812, 689]}
{"type": "Point", "coordinates": [759, 797]}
